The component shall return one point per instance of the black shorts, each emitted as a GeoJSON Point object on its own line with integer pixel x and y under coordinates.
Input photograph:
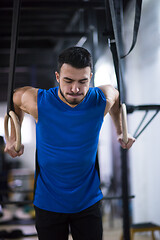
{"type": "Point", "coordinates": [85, 225]}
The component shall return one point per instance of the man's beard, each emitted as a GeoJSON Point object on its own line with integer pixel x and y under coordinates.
{"type": "Point", "coordinates": [71, 102]}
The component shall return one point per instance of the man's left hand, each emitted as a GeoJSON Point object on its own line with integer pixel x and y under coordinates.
{"type": "Point", "coordinates": [127, 145]}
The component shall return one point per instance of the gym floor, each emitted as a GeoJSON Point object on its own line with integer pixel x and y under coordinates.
{"type": "Point", "coordinates": [110, 233]}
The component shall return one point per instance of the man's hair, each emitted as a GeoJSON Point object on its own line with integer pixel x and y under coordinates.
{"type": "Point", "coordinates": [77, 57]}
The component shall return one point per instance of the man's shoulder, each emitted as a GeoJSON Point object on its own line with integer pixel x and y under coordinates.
{"type": "Point", "coordinates": [49, 91]}
{"type": "Point", "coordinates": [99, 91]}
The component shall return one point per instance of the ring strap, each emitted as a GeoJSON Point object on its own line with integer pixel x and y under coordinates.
{"type": "Point", "coordinates": [13, 51]}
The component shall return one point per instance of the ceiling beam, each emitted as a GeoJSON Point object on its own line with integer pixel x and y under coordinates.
{"type": "Point", "coordinates": [39, 40]}
{"type": "Point", "coordinates": [44, 35]}
{"type": "Point", "coordinates": [30, 4]}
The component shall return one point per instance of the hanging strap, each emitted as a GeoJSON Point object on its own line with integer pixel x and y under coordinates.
{"type": "Point", "coordinates": [116, 46]}
{"type": "Point", "coordinates": [13, 51]}
{"type": "Point", "coordinates": [116, 10]}
{"type": "Point", "coordinates": [138, 9]}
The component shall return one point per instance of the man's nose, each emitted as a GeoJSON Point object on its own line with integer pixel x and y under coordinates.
{"type": "Point", "coordinates": [75, 88]}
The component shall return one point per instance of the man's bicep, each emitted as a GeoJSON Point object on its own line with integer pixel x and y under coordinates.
{"type": "Point", "coordinates": [26, 99]}
{"type": "Point", "coordinates": [111, 95]}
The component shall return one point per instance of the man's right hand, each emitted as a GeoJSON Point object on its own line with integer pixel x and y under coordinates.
{"type": "Point", "coordinates": [10, 149]}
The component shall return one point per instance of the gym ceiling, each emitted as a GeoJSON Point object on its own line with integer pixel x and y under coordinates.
{"type": "Point", "coordinates": [46, 28]}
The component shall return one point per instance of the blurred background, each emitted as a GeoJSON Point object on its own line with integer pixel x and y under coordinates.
{"type": "Point", "coordinates": [46, 29]}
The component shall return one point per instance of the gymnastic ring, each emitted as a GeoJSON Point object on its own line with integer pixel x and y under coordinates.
{"type": "Point", "coordinates": [17, 127]}
{"type": "Point", "coordinates": [124, 124]}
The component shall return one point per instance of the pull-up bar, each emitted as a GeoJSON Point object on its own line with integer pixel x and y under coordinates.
{"type": "Point", "coordinates": [146, 108]}
{"type": "Point", "coordinates": [132, 108]}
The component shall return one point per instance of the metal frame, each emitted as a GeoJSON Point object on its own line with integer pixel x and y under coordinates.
{"type": "Point", "coordinates": [147, 109]}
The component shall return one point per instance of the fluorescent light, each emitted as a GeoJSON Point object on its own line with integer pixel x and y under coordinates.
{"type": "Point", "coordinates": [81, 42]}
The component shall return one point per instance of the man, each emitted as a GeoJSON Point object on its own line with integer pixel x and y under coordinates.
{"type": "Point", "coordinates": [68, 121]}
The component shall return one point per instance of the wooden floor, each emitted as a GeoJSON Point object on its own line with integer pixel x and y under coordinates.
{"type": "Point", "coordinates": [110, 233]}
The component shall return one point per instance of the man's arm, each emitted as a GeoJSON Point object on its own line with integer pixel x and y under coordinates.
{"type": "Point", "coordinates": [112, 106]}
{"type": "Point", "coordinates": [25, 100]}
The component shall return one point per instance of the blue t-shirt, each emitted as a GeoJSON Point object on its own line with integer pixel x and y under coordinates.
{"type": "Point", "coordinates": [67, 140]}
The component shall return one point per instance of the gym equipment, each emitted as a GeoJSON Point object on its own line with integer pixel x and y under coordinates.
{"type": "Point", "coordinates": [14, 234]}
{"type": "Point", "coordinates": [147, 109]}
{"type": "Point", "coordinates": [114, 16]}
{"type": "Point", "coordinates": [143, 227]}
{"type": "Point", "coordinates": [10, 108]}
{"type": "Point", "coordinates": [16, 221]}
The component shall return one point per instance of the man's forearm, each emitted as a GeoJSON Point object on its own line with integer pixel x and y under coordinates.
{"type": "Point", "coordinates": [19, 113]}
{"type": "Point", "coordinates": [115, 113]}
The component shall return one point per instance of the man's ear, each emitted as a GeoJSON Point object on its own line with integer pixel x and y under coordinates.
{"type": "Point", "coordinates": [91, 75]}
{"type": "Point", "coordinates": [57, 76]}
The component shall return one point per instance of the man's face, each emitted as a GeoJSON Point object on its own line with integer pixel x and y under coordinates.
{"type": "Point", "coordinates": [73, 83]}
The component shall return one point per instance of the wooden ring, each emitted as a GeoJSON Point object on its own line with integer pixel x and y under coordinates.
{"type": "Point", "coordinates": [124, 124]}
{"type": "Point", "coordinates": [17, 129]}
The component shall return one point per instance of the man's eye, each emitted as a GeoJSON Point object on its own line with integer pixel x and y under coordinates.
{"type": "Point", "coordinates": [68, 81]}
{"type": "Point", "coordinates": [83, 82]}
